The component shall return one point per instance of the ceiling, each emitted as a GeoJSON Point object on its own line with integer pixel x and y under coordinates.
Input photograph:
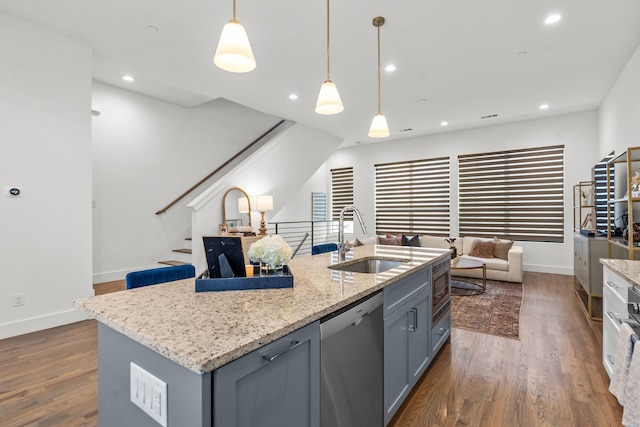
{"type": "Point", "coordinates": [457, 60]}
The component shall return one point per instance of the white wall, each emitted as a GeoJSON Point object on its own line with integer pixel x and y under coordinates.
{"type": "Point", "coordinates": [298, 206]}
{"type": "Point", "coordinates": [279, 169]}
{"type": "Point", "coordinates": [619, 114]}
{"type": "Point", "coordinates": [577, 132]}
{"type": "Point", "coordinates": [146, 152]}
{"type": "Point", "coordinates": [45, 148]}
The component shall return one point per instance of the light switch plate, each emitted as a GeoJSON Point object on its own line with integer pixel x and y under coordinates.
{"type": "Point", "coordinates": [149, 393]}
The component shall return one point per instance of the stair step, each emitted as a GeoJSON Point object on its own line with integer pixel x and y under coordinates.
{"type": "Point", "coordinates": [182, 251]}
{"type": "Point", "coordinates": [172, 262]}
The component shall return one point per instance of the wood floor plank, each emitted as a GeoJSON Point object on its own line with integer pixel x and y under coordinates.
{"type": "Point", "coordinates": [552, 376]}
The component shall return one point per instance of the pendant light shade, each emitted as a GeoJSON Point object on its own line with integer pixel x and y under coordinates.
{"type": "Point", "coordinates": [234, 52]}
{"type": "Point", "coordinates": [329, 101]}
{"type": "Point", "coordinates": [379, 128]}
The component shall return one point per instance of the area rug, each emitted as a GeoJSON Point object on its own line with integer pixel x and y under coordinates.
{"type": "Point", "coordinates": [494, 312]}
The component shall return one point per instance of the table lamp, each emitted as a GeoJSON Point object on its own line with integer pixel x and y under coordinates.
{"type": "Point", "coordinates": [263, 204]}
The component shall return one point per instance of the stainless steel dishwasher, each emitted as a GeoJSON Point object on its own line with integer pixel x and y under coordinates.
{"type": "Point", "coordinates": [351, 357]}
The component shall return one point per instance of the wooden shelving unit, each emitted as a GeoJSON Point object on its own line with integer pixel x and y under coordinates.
{"type": "Point", "coordinates": [584, 206]}
{"type": "Point", "coordinates": [625, 166]}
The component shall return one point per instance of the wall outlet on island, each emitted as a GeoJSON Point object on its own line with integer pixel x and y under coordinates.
{"type": "Point", "coordinates": [149, 393]}
{"type": "Point", "coordinates": [18, 299]}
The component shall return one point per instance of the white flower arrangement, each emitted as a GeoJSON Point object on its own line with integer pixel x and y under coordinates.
{"type": "Point", "coordinates": [270, 250]}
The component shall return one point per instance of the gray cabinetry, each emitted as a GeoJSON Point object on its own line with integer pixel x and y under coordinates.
{"type": "Point", "coordinates": [407, 337]}
{"type": "Point", "coordinates": [587, 252]}
{"type": "Point", "coordinates": [277, 385]}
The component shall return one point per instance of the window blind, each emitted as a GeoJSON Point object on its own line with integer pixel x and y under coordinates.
{"type": "Point", "coordinates": [341, 192]}
{"type": "Point", "coordinates": [412, 197]}
{"type": "Point", "coordinates": [604, 192]}
{"type": "Point", "coordinates": [516, 194]}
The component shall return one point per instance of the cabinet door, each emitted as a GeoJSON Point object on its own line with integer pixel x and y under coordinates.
{"type": "Point", "coordinates": [420, 335]}
{"type": "Point", "coordinates": [397, 380]}
{"type": "Point", "coordinates": [275, 386]}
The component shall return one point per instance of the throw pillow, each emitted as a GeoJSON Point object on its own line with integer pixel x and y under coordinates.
{"type": "Point", "coordinates": [413, 241]}
{"type": "Point", "coordinates": [398, 238]}
{"type": "Point", "coordinates": [502, 248]}
{"type": "Point", "coordinates": [392, 241]}
{"type": "Point", "coordinates": [482, 249]}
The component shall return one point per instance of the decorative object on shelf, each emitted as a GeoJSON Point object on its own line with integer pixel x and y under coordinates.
{"type": "Point", "coordinates": [635, 184]}
{"type": "Point", "coordinates": [454, 250]}
{"type": "Point", "coordinates": [329, 101]}
{"type": "Point", "coordinates": [379, 128]}
{"type": "Point", "coordinates": [636, 233]}
{"type": "Point", "coordinates": [223, 230]}
{"type": "Point", "coordinates": [587, 222]}
{"type": "Point", "coordinates": [272, 252]}
{"type": "Point", "coordinates": [234, 53]}
{"type": "Point", "coordinates": [263, 204]}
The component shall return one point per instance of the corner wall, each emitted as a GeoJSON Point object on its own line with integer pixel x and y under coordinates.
{"type": "Point", "coordinates": [45, 148]}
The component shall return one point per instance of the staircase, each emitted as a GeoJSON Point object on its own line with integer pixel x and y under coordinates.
{"type": "Point", "coordinates": [184, 259]}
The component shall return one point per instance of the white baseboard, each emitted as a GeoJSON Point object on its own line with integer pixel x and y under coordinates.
{"type": "Point", "coordinates": [33, 324]}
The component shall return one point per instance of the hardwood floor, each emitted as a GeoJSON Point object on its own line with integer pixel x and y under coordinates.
{"type": "Point", "coordinates": [552, 376]}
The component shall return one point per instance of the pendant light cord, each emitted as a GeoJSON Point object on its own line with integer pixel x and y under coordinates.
{"type": "Point", "coordinates": [328, 48]}
{"type": "Point", "coordinates": [234, 10]}
{"type": "Point", "coordinates": [378, 69]}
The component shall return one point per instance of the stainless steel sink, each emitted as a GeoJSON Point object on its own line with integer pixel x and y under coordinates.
{"type": "Point", "coordinates": [368, 265]}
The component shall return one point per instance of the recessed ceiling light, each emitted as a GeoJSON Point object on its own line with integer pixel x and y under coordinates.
{"type": "Point", "coordinates": [523, 53]}
{"type": "Point", "coordinates": [127, 78]}
{"type": "Point", "coordinates": [152, 28]}
{"type": "Point", "coordinates": [544, 106]}
{"type": "Point", "coordinates": [444, 123]}
{"type": "Point", "coordinates": [422, 100]}
{"type": "Point", "coordinates": [552, 19]}
{"type": "Point", "coordinates": [389, 68]}
{"type": "Point", "coordinates": [293, 96]}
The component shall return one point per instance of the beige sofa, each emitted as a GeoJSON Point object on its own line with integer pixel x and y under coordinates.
{"type": "Point", "coordinates": [509, 270]}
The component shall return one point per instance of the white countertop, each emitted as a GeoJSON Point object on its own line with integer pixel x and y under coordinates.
{"type": "Point", "coordinates": [628, 269]}
{"type": "Point", "coordinates": [205, 330]}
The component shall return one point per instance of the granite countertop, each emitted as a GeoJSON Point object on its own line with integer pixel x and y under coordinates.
{"type": "Point", "coordinates": [205, 330]}
{"type": "Point", "coordinates": [628, 269]}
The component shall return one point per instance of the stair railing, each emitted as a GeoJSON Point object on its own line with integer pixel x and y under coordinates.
{"type": "Point", "coordinates": [219, 168]}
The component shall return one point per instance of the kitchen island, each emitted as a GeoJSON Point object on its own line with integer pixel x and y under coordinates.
{"type": "Point", "coordinates": [185, 337]}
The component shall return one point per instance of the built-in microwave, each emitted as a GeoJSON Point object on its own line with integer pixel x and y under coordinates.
{"type": "Point", "coordinates": [441, 289]}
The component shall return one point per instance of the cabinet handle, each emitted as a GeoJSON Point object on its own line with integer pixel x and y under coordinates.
{"type": "Point", "coordinates": [614, 285]}
{"type": "Point", "coordinates": [441, 331]}
{"type": "Point", "coordinates": [414, 315]}
{"type": "Point", "coordinates": [293, 344]}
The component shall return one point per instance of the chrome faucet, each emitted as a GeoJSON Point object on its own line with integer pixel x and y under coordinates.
{"type": "Point", "coordinates": [342, 248]}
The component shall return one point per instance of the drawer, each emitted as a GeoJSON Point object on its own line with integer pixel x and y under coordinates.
{"type": "Point", "coordinates": [396, 294]}
{"type": "Point", "coordinates": [440, 332]}
{"type": "Point", "coordinates": [613, 301]}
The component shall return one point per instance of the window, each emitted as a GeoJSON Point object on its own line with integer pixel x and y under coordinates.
{"type": "Point", "coordinates": [341, 192]}
{"type": "Point", "coordinates": [604, 192]}
{"type": "Point", "coordinates": [412, 197]}
{"type": "Point", "coordinates": [517, 194]}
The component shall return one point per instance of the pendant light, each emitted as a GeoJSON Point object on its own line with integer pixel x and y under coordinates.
{"type": "Point", "coordinates": [234, 52]}
{"type": "Point", "coordinates": [379, 128]}
{"type": "Point", "coordinates": [329, 101]}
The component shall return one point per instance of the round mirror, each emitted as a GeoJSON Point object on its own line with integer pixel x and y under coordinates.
{"type": "Point", "coordinates": [235, 204]}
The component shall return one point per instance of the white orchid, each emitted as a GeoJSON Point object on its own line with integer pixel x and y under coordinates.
{"type": "Point", "coordinates": [270, 250]}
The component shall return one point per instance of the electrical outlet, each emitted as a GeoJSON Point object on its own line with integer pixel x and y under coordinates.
{"type": "Point", "coordinates": [18, 299]}
{"type": "Point", "coordinates": [149, 393]}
